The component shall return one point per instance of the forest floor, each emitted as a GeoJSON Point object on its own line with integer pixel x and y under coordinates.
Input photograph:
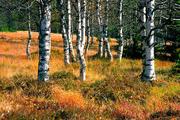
{"type": "Point", "coordinates": [113, 90]}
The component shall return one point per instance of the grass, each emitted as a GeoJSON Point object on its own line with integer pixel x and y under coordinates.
{"type": "Point", "coordinates": [112, 90]}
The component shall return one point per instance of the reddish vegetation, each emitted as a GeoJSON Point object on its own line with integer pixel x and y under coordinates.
{"type": "Point", "coordinates": [21, 104]}
{"type": "Point", "coordinates": [126, 110]}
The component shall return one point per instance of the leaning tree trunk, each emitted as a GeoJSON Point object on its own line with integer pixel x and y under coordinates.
{"type": "Point", "coordinates": [64, 32]}
{"type": "Point", "coordinates": [99, 17]}
{"type": "Point", "coordinates": [121, 39]}
{"type": "Point", "coordinates": [45, 41]}
{"type": "Point", "coordinates": [149, 69]}
{"type": "Point", "coordinates": [106, 40]}
{"type": "Point", "coordinates": [81, 38]}
{"type": "Point", "coordinates": [28, 53]}
{"type": "Point", "coordinates": [69, 33]}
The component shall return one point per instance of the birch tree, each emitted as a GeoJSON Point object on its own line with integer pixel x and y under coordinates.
{"type": "Point", "coordinates": [88, 33]}
{"type": "Point", "coordinates": [121, 39]}
{"type": "Point", "coordinates": [64, 32]}
{"type": "Point", "coordinates": [148, 73]}
{"type": "Point", "coordinates": [69, 33]}
{"type": "Point", "coordinates": [100, 23]}
{"type": "Point", "coordinates": [81, 37]}
{"type": "Point", "coordinates": [45, 40]}
{"type": "Point", "coordinates": [107, 49]}
{"type": "Point", "coordinates": [28, 53]}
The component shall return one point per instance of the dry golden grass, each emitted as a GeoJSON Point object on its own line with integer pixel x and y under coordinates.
{"type": "Point", "coordinates": [68, 99]}
{"type": "Point", "coordinates": [121, 83]}
{"type": "Point", "coordinates": [14, 103]}
{"type": "Point", "coordinates": [154, 100]}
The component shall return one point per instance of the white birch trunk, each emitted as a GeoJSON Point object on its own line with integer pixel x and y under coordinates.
{"type": "Point", "coordinates": [28, 47]}
{"type": "Point", "coordinates": [106, 40]}
{"type": "Point", "coordinates": [98, 9]}
{"type": "Point", "coordinates": [83, 24]}
{"type": "Point", "coordinates": [64, 32]}
{"type": "Point", "coordinates": [69, 33]}
{"type": "Point", "coordinates": [45, 41]}
{"type": "Point", "coordinates": [121, 39]}
{"type": "Point", "coordinates": [81, 38]}
{"type": "Point", "coordinates": [149, 69]}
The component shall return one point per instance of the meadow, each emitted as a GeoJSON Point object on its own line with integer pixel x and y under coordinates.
{"type": "Point", "coordinates": [113, 90]}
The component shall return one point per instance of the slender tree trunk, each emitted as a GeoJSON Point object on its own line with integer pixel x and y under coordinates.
{"type": "Point", "coordinates": [82, 59]}
{"type": "Point", "coordinates": [45, 41]}
{"type": "Point", "coordinates": [69, 33]}
{"type": "Point", "coordinates": [100, 49]}
{"type": "Point", "coordinates": [64, 32]}
{"type": "Point", "coordinates": [92, 29]}
{"type": "Point", "coordinates": [40, 16]}
{"type": "Point", "coordinates": [142, 8]}
{"type": "Point", "coordinates": [81, 38]}
{"type": "Point", "coordinates": [149, 69]}
{"type": "Point", "coordinates": [92, 32]}
{"type": "Point", "coordinates": [88, 34]}
{"type": "Point", "coordinates": [28, 53]}
{"type": "Point", "coordinates": [106, 40]}
{"type": "Point", "coordinates": [121, 39]}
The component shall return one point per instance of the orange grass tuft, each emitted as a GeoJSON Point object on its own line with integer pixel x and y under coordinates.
{"type": "Point", "coordinates": [175, 106]}
{"type": "Point", "coordinates": [68, 99]}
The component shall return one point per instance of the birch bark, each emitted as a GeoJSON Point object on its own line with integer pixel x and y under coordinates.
{"type": "Point", "coordinates": [100, 23]}
{"type": "Point", "coordinates": [121, 39]}
{"type": "Point", "coordinates": [64, 32]}
{"type": "Point", "coordinates": [149, 69]}
{"type": "Point", "coordinates": [107, 49]}
{"type": "Point", "coordinates": [69, 33]}
{"type": "Point", "coordinates": [45, 41]}
{"type": "Point", "coordinates": [81, 37]}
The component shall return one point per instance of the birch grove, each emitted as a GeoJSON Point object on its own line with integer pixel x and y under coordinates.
{"type": "Point", "coordinates": [101, 29]}
{"type": "Point", "coordinates": [90, 59]}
